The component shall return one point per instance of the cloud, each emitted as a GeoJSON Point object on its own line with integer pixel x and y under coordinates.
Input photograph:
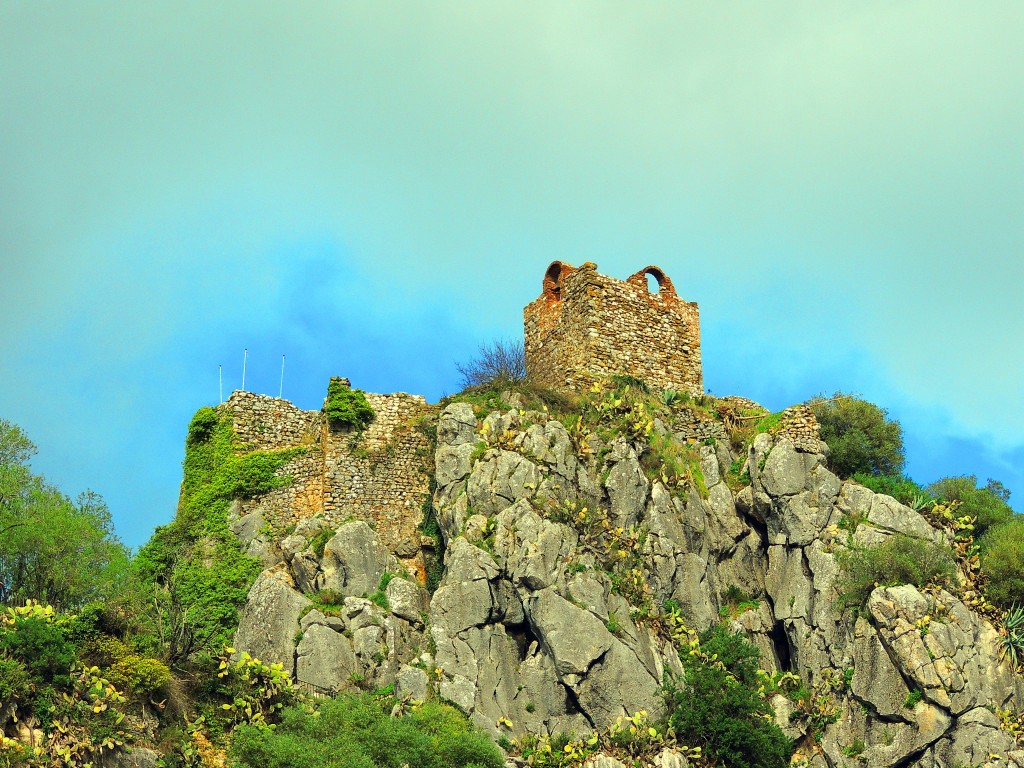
{"type": "Point", "coordinates": [374, 193]}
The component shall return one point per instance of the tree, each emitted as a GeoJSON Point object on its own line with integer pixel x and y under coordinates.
{"type": "Point", "coordinates": [500, 363]}
{"type": "Point", "coordinates": [52, 549]}
{"type": "Point", "coordinates": [859, 436]}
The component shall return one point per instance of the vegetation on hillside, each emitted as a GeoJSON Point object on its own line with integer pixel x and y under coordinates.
{"type": "Point", "coordinates": [192, 575]}
{"type": "Point", "coordinates": [123, 652]}
{"type": "Point", "coordinates": [53, 549]}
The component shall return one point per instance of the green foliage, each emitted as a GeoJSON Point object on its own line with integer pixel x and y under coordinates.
{"type": "Point", "coordinates": [859, 436]}
{"type": "Point", "coordinates": [202, 426]}
{"type": "Point", "coordinates": [52, 548]}
{"type": "Point", "coordinates": [673, 397]}
{"type": "Point", "coordinates": [1002, 562]}
{"type": "Point", "coordinates": [900, 559]}
{"type": "Point", "coordinates": [719, 708]}
{"type": "Point", "coordinates": [380, 597]}
{"type": "Point", "coordinates": [346, 407]}
{"type": "Point", "coordinates": [675, 463]}
{"type": "Point", "coordinates": [900, 487]}
{"type": "Point", "coordinates": [40, 646]}
{"type": "Point", "coordinates": [14, 680]}
{"type": "Point", "coordinates": [986, 505]}
{"type": "Point", "coordinates": [193, 573]}
{"type": "Point", "coordinates": [140, 675]}
{"type": "Point", "coordinates": [855, 748]}
{"type": "Point", "coordinates": [768, 424]}
{"type": "Point", "coordinates": [913, 698]}
{"type": "Point", "coordinates": [736, 602]}
{"type": "Point", "coordinates": [356, 731]}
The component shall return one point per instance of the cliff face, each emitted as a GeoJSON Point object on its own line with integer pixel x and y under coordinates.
{"type": "Point", "coordinates": [578, 564]}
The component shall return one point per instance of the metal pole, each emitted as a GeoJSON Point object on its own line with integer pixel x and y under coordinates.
{"type": "Point", "coordinates": [280, 393]}
{"type": "Point", "coordinates": [245, 356]}
{"type": "Point", "coordinates": [220, 378]}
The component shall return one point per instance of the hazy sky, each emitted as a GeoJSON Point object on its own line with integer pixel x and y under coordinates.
{"type": "Point", "coordinates": [372, 189]}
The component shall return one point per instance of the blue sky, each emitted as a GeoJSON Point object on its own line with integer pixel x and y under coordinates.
{"type": "Point", "coordinates": [374, 189]}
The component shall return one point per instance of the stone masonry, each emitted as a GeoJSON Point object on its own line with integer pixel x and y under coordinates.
{"type": "Point", "coordinates": [586, 325]}
{"type": "Point", "coordinates": [380, 475]}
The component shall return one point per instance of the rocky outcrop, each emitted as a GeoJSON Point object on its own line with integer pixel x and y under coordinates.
{"type": "Point", "coordinates": [313, 613]}
{"type": "Point", "coordinates": [561, 560]}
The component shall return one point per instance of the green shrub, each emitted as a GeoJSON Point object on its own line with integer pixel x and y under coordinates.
{"type": "Point", "coordinates": [900, 559]}
{"type": "Point", "coordinates": [720, 710]}
{"type": "Point", "coordinates": [346, 407]}
{"type": "Point", "coordinates": [1012, 643]}
{"type": "Point", "coordinates": [500, 364]}
{"type": "Point", "coordinates": [1002, 562]}
{"type": "Point", "coordinates": [357, 731]}
{"type": "Point", "coordinates": [193, 571]}
{"type": "Point", "coordinates": [40, 646]}
{"type": "Point", "coordinates": [987, 505]}
{"type": "Point", "coordinates": [14, 680]}
{"type": "Point", "coordinates": [859, 436]}
{"type": "Point", "coordinates": [139, 675]}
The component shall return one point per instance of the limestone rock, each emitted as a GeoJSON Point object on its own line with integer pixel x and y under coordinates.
{"type": "Point", "coordinates": [354, 560]}
{"type": "Point", "coordinates": [456, 425]}
{"type": "Point", "coordinates": [134, 757]}
{"type": "Point", "coordinates": [626, 484]}
{"type": "Point", "coordinates": [411, 683]}
{"type": "Point", "coordinates": [270, 619]}
{"type": "Point", "coordinates": [325, 659]}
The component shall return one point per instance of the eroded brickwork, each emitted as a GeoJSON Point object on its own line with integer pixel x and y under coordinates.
{"type": "Point", "coordinates": [380, 475]}
{"type": "Point", "coordinates": [799, 424]}
{"type": "Point", "coordinates": [586, 325]}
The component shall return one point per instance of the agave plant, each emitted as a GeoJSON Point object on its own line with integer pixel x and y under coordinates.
{"type": "Point", "coordinates": [1012, 639]}
{"type": "Point", "coordinates": [671, 397]}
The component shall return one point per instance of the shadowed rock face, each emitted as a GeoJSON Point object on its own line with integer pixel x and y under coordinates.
{"type": "Point", "coordinates": [528, 633]}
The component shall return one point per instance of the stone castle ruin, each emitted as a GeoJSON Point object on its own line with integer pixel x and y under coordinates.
{"type": "Point", "coordinates": [586, 325]}
{"type": "Point", "coordinates": [380, 476]}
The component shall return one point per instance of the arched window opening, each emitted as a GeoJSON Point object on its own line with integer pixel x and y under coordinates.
{"type": "Point", "coordinates": [654, 280]}
{"type": "Point", "coordinates": [553, 281]}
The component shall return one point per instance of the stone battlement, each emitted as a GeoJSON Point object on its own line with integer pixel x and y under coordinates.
{"type": "Point", "coordinates": [587, 325]}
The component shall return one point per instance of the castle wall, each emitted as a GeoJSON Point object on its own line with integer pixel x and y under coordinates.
{"type": "Point", "coordinates": [588, 325]}
{"type": "Point", "coordinates": [380, 475]}
{"type": "Point", "coordinates": [267, 423]}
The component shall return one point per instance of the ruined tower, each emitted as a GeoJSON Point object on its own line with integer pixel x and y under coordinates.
{"type": "Point", "coordinates": [586, 325]}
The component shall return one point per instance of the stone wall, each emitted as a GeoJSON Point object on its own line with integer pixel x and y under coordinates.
{"type": "Point", "coordinates": [586, 325]}
{"type": "Point", "coordinates": [799, 424]}
{"type": "Point", "coordinates": [267, 423]}
{"type": "Point", "coordinates": [380, 475]}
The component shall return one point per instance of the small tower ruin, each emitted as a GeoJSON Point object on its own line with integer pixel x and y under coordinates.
{"type": "Point", "coordinates": [586, 325]}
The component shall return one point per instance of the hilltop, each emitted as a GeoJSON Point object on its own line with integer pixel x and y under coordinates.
{"type": "Point", "coordinates": [595, 563]}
